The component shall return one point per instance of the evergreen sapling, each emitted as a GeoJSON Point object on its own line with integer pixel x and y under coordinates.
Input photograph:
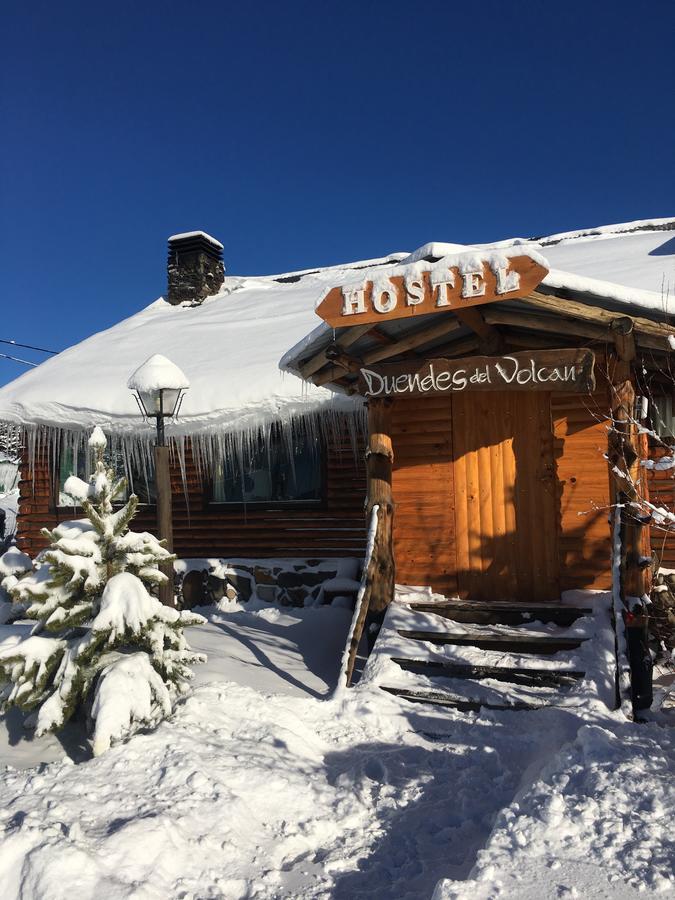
{"type": "Point", "coordinates": [102, 640]}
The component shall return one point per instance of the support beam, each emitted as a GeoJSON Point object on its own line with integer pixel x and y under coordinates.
{"type": "Point", "coordinates": [624, 466]}
{"type": "Point", "coordinates": [491, 341]}
{"type": "Point", "coordinates": [379, 464]}
{"type": "Point", "coordinates": [343, 360]}
{"type": "Point", "coordinates": [344, 341]}
{"type": "Point", "coordinates": [378, 354]}
{"type": "Point", "coordinates": [624, 457]}
{"type": "Point", "coordinates": [649, 334]}
{"type": "Point", "coordinates": [164, 520]}
{"type": "Point", "coordinates": [574, 328]}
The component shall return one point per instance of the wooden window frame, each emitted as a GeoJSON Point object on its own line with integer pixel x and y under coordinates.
{"type": "Point", "coordinates": [273, 505]}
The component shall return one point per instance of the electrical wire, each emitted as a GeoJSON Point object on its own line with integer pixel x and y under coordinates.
{"type": "Point", "coordinates": [26, 362]}
{"type": "Point", "coordinates": [28, 347]}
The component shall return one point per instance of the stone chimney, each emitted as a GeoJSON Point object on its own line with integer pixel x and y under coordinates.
{"type": "Point", "coordinates": [195, 268]}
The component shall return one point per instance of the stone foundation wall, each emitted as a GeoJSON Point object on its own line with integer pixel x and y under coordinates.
{"type": "Point", "coordinates": [287, 582]}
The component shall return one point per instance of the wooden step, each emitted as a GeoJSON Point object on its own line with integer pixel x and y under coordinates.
{"type": "Point", "coordinates": [461, 703]}
{"type": "Point", "coordinates": [505, 642]}
{"type": "Point", "coordinates": [503, 613]}
{"type": "Point", "coordinates": [526, 677]}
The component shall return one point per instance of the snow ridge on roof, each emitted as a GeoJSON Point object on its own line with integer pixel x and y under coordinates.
{"type": "Point", "coordinates": [622, 228]}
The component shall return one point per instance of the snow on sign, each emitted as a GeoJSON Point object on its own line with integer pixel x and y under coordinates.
{"type": "Point", "coordinates": [451, 283]}
{"type": "Point", "coordinates": [542, 370]}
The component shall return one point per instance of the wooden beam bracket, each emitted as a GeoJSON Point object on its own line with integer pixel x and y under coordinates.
{"type": "Point", "coordinates": [336, 355]}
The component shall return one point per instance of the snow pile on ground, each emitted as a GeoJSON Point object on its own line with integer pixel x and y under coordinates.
{"type": "Point", "coordinates": [597, 823]}
{"type": "Point", "coordinates": [263, 785]}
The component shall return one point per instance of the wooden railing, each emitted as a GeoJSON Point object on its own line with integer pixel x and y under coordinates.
{"type": "Point", "coordinates": [362, 606]}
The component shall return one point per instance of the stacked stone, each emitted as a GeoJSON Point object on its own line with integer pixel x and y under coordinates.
{"type": "Point", "coordinates": [195, 268]}
{"type": "Point", "coordinates": [662, 610]}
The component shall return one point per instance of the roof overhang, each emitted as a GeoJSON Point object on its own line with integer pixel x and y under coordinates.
{"type": "Point", "coordinates": [544, 318]}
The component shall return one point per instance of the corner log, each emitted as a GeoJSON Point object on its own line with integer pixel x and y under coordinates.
{"type": "Point", "coordinates": [379, 464]}
{"type": "Point", "coordinates": [624, 460]}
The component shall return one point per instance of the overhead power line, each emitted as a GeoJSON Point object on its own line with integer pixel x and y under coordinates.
{"type": "Point", "coordinates": [28, 347]}
{"type": "Point", "coordinates": [26, 362]}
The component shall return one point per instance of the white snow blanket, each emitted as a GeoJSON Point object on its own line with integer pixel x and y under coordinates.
{"type": "Point", "coordinates": [230, 346]}
{"type": "Point", "coordinates": [264, 786]}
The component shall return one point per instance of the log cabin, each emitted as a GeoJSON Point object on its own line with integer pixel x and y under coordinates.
{"type": "Point", "coordinates": [482, 380]}
{"type": "Point", "coordinates": [516, 417]}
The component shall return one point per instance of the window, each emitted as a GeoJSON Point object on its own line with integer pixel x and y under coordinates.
{"type": "Point", "coordinates": [79, 462]}
{"type": "Point", "coordinates": [661, 416]}
{"type": "Point", "coordinates": [273, 474]}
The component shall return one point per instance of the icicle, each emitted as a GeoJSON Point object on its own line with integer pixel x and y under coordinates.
{"type": "Point", "coordinates": [215, 449]}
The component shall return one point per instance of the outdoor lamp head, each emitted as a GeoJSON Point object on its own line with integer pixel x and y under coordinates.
{"type": "Point", "coordinates": [158, 386]}
{"type": "Point", "coordinates": [164, 402]}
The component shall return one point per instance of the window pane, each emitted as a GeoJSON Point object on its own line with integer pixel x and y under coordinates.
{"type": "Point", "coordinates": [275, 474]}
{"type": "Point", "coordinates": [79, 462]}
{"type": "Point", "coordinates": [72, 462]}
{"type": "Point", "coordinates": [662, 416]}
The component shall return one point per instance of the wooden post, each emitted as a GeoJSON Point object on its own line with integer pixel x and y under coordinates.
{"type": "Point", "coordinates": [624, 460]}
{"type": "Point", "coordinates": [164, 519]}
{"type": "Point", "coordinates": [379, 462]}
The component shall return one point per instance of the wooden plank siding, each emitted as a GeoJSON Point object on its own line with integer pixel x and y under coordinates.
{"type": "Point", "coordinates": [423, 487]}
{"type": "Point", "coordinates": [333, 527]}
{"type": "Point", "coordinates": [505, 480]}
{"type": "Point", "coordinates": [580, 427]}
{"type": "Point", "coordinates": [502, 493]}
{"type": "Point", "coordinates": [441, 536]}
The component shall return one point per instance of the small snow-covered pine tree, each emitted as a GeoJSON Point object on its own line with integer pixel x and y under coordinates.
{"type": "Point", "coordinates": [101, 639]}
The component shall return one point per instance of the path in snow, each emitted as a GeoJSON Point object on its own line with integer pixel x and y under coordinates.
{"type": "Point", "coordinates": [267, 792]}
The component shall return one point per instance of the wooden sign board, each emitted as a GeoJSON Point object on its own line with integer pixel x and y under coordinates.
{"type": "Point", "coordinates": [438, 288]}
{"type": "Point", "coordinates": [539, 370]}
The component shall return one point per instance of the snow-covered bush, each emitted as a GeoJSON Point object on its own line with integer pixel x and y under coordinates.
{"type": "Point", "coordinates": [102, 640]}
{"type": "Point", "coordinates": [13, 563]}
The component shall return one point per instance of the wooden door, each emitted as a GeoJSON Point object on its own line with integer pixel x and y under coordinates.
{"type": "Point", "coordinates": [505, 496]}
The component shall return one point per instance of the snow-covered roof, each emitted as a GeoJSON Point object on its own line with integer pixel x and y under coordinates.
{"type": "Point", "coordinates": [230, 346]}
{"type": "Point", "coordinates": [633, 262]}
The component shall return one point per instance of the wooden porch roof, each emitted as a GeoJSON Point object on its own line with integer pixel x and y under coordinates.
{"type": "Point", "coordinates": [543, 319]}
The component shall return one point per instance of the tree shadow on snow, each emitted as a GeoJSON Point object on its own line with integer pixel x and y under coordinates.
{"type": "Point", "coordinates": [454, 795]}
{"type": "Point", "coordinates": [255, 647]}
{"type": "Point", "coordinates": [72, 738]}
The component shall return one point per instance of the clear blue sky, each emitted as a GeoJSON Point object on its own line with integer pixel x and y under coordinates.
{"type": "Point", "coordinates": [305, 134]}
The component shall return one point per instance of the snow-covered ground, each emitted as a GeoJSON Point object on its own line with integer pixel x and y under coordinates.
{"type": "Point", "coordinates": [265, 785]}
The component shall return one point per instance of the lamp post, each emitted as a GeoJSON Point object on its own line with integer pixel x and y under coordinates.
{"type": "Point", "coordinates": [159, 387]}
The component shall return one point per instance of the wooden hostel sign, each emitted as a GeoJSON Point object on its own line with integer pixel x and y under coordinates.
{"type": "Point", "coordinates": [439, 287]}
{"type": "Point", "coordinates": [540, 370]}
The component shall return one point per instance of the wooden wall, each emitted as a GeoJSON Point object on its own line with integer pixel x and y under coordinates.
{"type": "Point", "coordinates": [449, 531]}
{"type": "Point", "coordinates": [334, 527]}
{"type": "Point", "coordinates": [580, 429]}
{"type": "Point", "coordinates": [505, 496]}
{"type": "Point", "coordinates": [423, 487]}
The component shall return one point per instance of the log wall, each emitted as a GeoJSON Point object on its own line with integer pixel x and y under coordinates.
{"type": "Point", "coordinates": [580, 428]}
{"type": "Point", "coordinates": [424, 517]}
{"type": "Point", "coordinates": [330, 528]}
{"type": "Point", "coordinates": [438, 542]}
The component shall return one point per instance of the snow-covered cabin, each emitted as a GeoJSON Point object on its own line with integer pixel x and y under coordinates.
{"type": "Point", "coordinates": [268, 465]}
{"type": "Point", "coordinates": [500, 379]}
